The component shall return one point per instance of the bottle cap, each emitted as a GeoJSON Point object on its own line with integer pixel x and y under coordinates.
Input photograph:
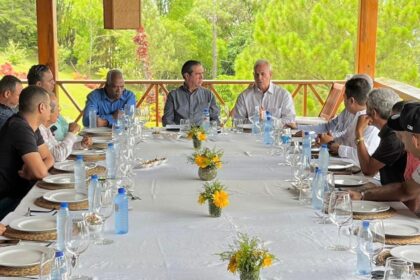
{"type": "Point", "coordinates": [324, 146]}
{"type": "Point", "coordinates": [121, 190]}
{"type": "Point", "coordinates": [317, 169]}
{"type": "Point", "coordinates": [110, 145]}
{"type": "Point", "coordinates": [94, 177]}
{"type": "Point", "coordinates": [64, 205]}
{"type": "Point", "coordinates": [306, 133]}
{"type": "Point", "coordinates": [79, 157]}
{"type": "Point", "coordinates": [59, 254]}
{"type": "Point", "coordinates": [365, 224]}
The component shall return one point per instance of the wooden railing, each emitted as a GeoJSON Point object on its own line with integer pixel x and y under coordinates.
{"type": "Point", "coordinates": [300, 90]}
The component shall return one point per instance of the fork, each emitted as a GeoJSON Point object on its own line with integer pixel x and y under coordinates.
{"type": "Point", "coordinates": [30, 211]}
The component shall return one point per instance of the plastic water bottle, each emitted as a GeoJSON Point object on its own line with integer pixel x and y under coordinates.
{"type": "Point", "coordinates": [59, 267]}
{"type": "Point", "coordinates": [316, 189]}
{"type": "Point", "coordinates": [121, 212]}
{"type": "Point", "coordinates": [92, 117]}
{"type": "Point", "coordinates": [91, 191]}
{"type": "Point", "coordinates": [268, 129]}
{"type": "Point", "coordinates": [205, 121]}
{"type": "Point", "coordinates": [255, 122]}
{"type": "Point", "coordinates": [111, 161]}
{"type": "Point", "coordinates": [324, 157]}
{"type": "Point", "coordinates": [365, 239]}
{"type": "Point", "coordinates": [80, 176]}
{"type": "Point", "coordinates": [63, 216]}
{"type": "Point", "coordinates": [306, 145]}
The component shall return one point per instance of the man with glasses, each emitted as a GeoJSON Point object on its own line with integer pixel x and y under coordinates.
{"type": "Point", "coordinates": [24, 156]}
{"type": "Point", "coordinates": [10, 89]}
{"type": "Point", "coordinates": [109, 100]}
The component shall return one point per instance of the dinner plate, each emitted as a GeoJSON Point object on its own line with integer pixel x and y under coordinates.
{"type": "Point", "coordinates": [339, 165]}
{"type": "Point", "coordinates": [68, 165]}
{"type": "Point", "coordinates": [34, 223]}
{"type": "Point", "coordinates": [101, 140]}
{"type": "Point", "coordinates": [245, 126]}
{"type": "Point", "coordinates": [401, 228]}
{"type": "Point", "coordinates": [408, 252]}
{"type": "Point", "coordinates": [98, 131]}
{"type": "Point", "coordinates": [59, 179]}
{"type": "Point", "coordinates": [172, 127]}
{"type": "Point", "coordinates": [367, 207]}
{"type": "Point", "coordinates": [22, 255]}
{"type": "Point", "coordinates": [151, 163]}
{"type": "Point", "coordinates": [68, 195]}
{"type": "Point", "coordinates": [88, 152]}
{"type": "Point", "coordinates": [315, 150]}
{"type": "Point", "coordinates": [350, 180]}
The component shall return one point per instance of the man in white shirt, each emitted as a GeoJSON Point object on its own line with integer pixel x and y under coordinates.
{"type": "Point", "coordinates": [266, 96]}
{"type": "Point", "coordinates": [355, 98]}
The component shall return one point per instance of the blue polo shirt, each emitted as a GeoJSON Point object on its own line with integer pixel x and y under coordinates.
{"type": "Point", "coordinates": [104, 106]}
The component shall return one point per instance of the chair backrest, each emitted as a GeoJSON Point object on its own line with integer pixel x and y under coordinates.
{"type": "Point", "coordinates": [334, 99]}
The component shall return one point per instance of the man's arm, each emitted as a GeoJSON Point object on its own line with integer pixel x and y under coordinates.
{"type": "Point", "coordinates": [214, 109]}
{"type": "Point", "coordinates": [288, 108]}
{"type": "Point", "coordinates": [168, 111]}
{"type": "Point", "coordinates": [34, 166]}
{"type": "Point", "coordinates": [46, 156]}
{"type": "Point", "coordinates": [392, 192]}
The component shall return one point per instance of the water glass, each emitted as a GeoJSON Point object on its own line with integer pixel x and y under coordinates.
{"type": "Point", "coordinates": [213, 128]}
{"type": "Point", "coordinates": [238, 125]}
{"type": "Point", "coordinates": [341, 214]}
{"type": "Point", "coordinates": [184, 125]}
{"type": "Point", "coordinates": [399, 269]}
{"type": "Point", "coordinates": [376, 245]}
{"type": "Point", "coordinates": [45, 265]}
{"type": "Point", "coordinates": [305, 194]}
{"type": "Point", "coordinates": [103, 206]}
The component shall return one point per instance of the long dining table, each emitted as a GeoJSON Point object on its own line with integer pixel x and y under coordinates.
{"type": "Point", "coordinates": [171, 236]}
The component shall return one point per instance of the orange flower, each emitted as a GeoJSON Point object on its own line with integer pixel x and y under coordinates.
{"type": "Point", "coordinates": [201, 136]}
{"type": "Point", "coordinates": [233, 264]}
{"type": "Point", "coordinates": [221, 199]}
{"type": "Point", "coordinates": [201, 199]}
{"type": "Point", "coordinates": [217, 161]}
{"type": "Point", "coordinates": [201, 161]}
{"type": "Point", "coordinates": [267, 261]}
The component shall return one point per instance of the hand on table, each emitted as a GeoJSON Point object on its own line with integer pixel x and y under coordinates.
{"type": "Point", "coordinates": [86, 141]}
{"type": "Point", "coordinates": [291, 125]}
{"type": "Point", "coordinates": [74, 128]}
{"type": "Point", "coordinates": [334, 148]}
{"type": "Point", "coordinates": [325, 138]}
{"type": "Point", "coordinates": [117, 114]}
{"type": "Point", "coordinates": [354, 195]}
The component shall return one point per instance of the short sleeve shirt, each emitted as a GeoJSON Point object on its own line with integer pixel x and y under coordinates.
{"type": "Point", "coordinates": [391, 153]}
{"type": "Point", "coordinates": [17, 139]}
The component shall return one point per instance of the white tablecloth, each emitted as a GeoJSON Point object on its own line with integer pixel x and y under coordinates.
{"type": "Point", "coordinates": [171, 236]}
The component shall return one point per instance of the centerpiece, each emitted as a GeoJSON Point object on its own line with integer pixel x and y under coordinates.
{"type": "Point", "coordinates": [217, 197]}
{"type": "Point", "coordinates": [208, 162]}
{"type": "Point", "coordinates": [247, 256]}
{"type": "Point", "coordinates": [197, 134]}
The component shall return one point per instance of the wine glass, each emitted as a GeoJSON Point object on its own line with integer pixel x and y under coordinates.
{"type": "Point", "coordinates": [77, 240]}
{"type": "Point", "coordinates": [398, 269]}
{"type": "Point", "coordinates": [103, 206]}
{"type": "Point", "coordinates": [224, 117]}
{"type": "Point", "coordinates": [341, 214]}
{"type": "Point", "coordinates": [324, 194]}
{"type": "Point", "coordinates": [376, 243]}
{"type": "Point", "coordinates": [292, 157]}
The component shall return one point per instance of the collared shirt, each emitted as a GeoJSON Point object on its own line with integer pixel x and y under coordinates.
{"type": "Point", "coordinates": [182, 104]}
{"type": "Point", "coordinates": [348, 148]}
{"type": "Point", "coordinates": [104, 106]}
{"type": "Point", "coordinates": [276, 100]}
{"type": "Point", "coordinates": [391, 153]}
{"type": "Point", "coordinates": [60, 150]}
{"type": "Point", "coordinates": [337, 126]}
{"type": "Point", "coordinates": [5, 113]}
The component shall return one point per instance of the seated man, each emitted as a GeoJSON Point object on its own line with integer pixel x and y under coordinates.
{"type": "Point", "coordinates": [355, 96]}
{"type": "Point", "coordinates": [10, 88]}
{"type": "Point", "coordinates": [109, 100]}
{"type": "Point", "coordinates": [189, 100]}
{"type": "Point", "coordinates": [24, 156]}
{"type": "Point", "coordinates": [408, 126]}
{"type": "Point", "coordinates": [389, 158]}
{"type": "Point", "coordinates": [265, 95]}
{"type": "Point", "coordinates": [61, 150]}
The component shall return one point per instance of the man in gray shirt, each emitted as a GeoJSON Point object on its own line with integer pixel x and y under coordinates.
{"type": "Point", "coordinates": [10, 88]}
{"type": "Point", "coordinates": [189, 100]}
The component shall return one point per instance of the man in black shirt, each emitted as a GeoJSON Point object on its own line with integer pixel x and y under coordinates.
{"type": "Point", "coordinates": [24, 156]}
{"type": "Point", "coordinates": [389, 158]}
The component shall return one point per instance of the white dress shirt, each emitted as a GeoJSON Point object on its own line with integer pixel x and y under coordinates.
{"type": "Point", "coordinates": [276, 100]}
{"type": "Point", "coordinates": [347, 141]}
{"type": "Point", "coordinates": [60, 150]}
{"type": "Point", "coordinates": [337, 126]}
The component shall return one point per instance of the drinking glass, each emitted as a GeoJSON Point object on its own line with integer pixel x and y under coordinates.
{"type": "Point", "coordinates": [341, 214]}
{"type": "Point", "coordinates": [224, 117]}
{"type": "Point", "coordinates": [286, 137]}
{"type": "Point", "coordinates": [103, 206]}
{"type": "Point", "coordinates": [324, 194]}
{"type": "Point", "coordinates": [302, 170]}
{"type": "Point", "coordinates": [77, 241]}
{"type": "Point", "coordinates": [292, 157]}
{"type": "Point", "coordinates": [238, 125]}
{"type": "Point", "coordinates": [398, 269]}
{"type": "Point", "coordinates": [184, 126]}
{"type": "Point", "coordinates": [376, 245]}
{"type": "Point", "coordinates": [45, 265]}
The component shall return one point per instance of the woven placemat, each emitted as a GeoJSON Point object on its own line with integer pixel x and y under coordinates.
{"type": "Point", "coordinates": [98, 170]}
{"type": "Point", "coordinates": [19, 271]}
{"type": "Point", "coordinates": [73, 206]}
{"type": "Point", "coordinates": [37, 236]}
{"type": "Point", "coordinates": [382, 256]}
{"type": "Point", "coordinates": [90, 158]}
{"type": "Point", "coordinates": [382, 215]}
{"type": "Point", "coordinates": [48, 186]}
{"type": "Point", "coordinates": [100, 145]}
{"type": "Point", "coordinates": [402, 240]}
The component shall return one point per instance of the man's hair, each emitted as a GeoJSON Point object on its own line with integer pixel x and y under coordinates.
{"type": "Point", "coordinates": [381, 100]}
{"type": "Point", "coordinates": [31, 97]}
{"type": "Point", "coordinates": [358, 88]}
{"type": "Point", "coordinates": [188, 67]}
{"type": "Point", "coordinates": [111, 75]}
{"type": "Point", "coordinates": [262, 62]}
{"type": "Point", "coordinates": [364, 76]}
{"type": "Point", "coordinates": [397, 108]}
{"type": "Point", "coordinates": [9, 82]}
{"type": "Point", "coordinates": [36, 73]}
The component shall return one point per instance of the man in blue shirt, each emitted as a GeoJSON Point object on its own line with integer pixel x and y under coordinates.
{"type": "Point", "coordinates": [10, 88]}
{"type": "Point", "coordinates": [108, 101]}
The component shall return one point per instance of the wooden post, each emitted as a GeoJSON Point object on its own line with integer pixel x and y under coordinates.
{"type": "Point", "coordinates": [366, 37]}
{"type": "Point", "coordinates": [46, 16]}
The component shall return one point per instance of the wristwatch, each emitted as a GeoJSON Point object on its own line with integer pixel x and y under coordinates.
{"type": "Point", "coordinates": [359, 140]}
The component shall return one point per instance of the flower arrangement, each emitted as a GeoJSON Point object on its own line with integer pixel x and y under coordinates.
{"type": "Point", "coordinates": [197, 134]}
{"type": "Point", "coordinates": [208, 161]}
{"type": "Point", "coordinates": [217, 197]}
{"type": "Point", "coordinates": [247, 256]}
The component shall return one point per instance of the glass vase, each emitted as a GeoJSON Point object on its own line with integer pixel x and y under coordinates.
{"type": "Point", "coordinates": [196, 143]}
{"type": "Point", "coordinates": [207, 174]}
{"type": "Point", "coordinates": [249, 275]}
{"type": "Point", "coordinates": [214, 211]}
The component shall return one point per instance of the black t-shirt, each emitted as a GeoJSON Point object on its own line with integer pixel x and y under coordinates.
{"type": "Point", "coordinates": [391, 153]}
{"type": "Point", "coordinates": [16, 139]}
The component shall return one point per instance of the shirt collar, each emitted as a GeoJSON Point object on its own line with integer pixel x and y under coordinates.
{"type": "Point", "coordinates": [270, 89]}
{"type": "Point", "coordinates": [112, 101]}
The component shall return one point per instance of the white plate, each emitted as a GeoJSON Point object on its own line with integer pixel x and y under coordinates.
{"type": "Point", "coordinates": [408, 252]}
{"type": "Point", "coordinates": [68, 165]}
{"type": "Point", "coordinates": [172, 126]}
{"type": "Point", "coordinates": [350, 180]}
{"type": "Point", "coordinates": [98, 131]}
{"type": "Point", "coordinates": [101, 140]}
{"type": "Point", "coordinates": [88, 152]}
{"type": "Point", "coordinates": [315, 150]}
{"type": "Point", "coordinates": [401, 228]}
{"type": "Point", "coordinates": [151, 163]}
{"type": "Point", "coordinates": [245, 126]}
{"type": "Point", "coordinates": [59, 196]}
{"type": "Point", "coordinates": [339, 165]}
{"type": "Point", "coordinates": [364, 206]}
{"type": "Point", "coordinates": [34, 223]}
{"type": "Point", "coordinates": [60, 179]}
{"type": "Point", "coordinates": [22, 255]}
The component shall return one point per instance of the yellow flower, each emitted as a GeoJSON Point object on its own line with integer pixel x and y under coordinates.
{"type": "Point", "coordinates": [201, 136]}
{"type": "Point", "coordinates": [201, 199]}
{"type": "Point", "coordinates": [221, 199]}
{"type": "Point", "coordinates": [267, 261]}
{"type": "Point", "coordinates": [233, 264]}
{"type": "Point", "coordinates": [201, 161]}
{"type": "Point", "coordinates": [217, 161]}
{"type": "Point", "coordinates": [190, 135]}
